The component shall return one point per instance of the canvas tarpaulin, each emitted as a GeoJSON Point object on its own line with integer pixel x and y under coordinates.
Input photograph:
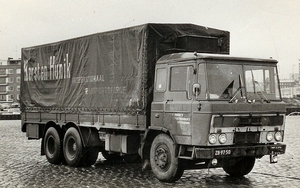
{"type": "Point", "coordinates": [106, 72]}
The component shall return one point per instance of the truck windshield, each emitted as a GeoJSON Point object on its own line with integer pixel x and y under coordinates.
{"type": "Point", "coordinates": [237, 81]}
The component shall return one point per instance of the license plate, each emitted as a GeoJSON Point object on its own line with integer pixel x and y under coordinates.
{"type": "Point", "coordinates": [221, 152]}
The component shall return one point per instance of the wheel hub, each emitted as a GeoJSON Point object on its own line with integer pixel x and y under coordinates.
{"type": "Point", "coordinates": [74, 147]}
{"type": "Point", "coordinates": [51, 145]}
{"type": "Point", "coordinates": [161, 158]}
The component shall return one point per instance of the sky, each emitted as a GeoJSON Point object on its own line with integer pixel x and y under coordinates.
{"type": "Point", "coordinates": [258, 28]}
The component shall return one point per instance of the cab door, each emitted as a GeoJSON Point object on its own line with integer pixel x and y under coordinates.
{"type": "Point", "coordinates": [158, 103]}
{"type": "Point", "coordinates": [178, 102]}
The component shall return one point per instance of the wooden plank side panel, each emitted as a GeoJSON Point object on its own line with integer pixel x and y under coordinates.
{"type": "Point", "coordinates": [124, 122]}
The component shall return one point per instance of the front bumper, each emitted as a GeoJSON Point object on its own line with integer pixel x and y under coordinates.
{"type": "Point", "coordinates": [239, 151]}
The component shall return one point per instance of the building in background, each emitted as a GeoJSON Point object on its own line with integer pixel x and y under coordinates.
{"type": "Point", "coordinates": [290, 88]}
{"type": "Point", "coordinates": [294, 76]}
{"type": "Point", "coordinates": [10, 72]}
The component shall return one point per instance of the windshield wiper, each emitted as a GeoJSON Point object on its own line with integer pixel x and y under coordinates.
{"type": "Point", "coordinates": [259, 93]}
{"type": "Point", "coordinates": [239, 90]}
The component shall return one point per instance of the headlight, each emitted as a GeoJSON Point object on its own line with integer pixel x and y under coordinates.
{"type": "Point", "coordinates": [278, 136]}
{"type": "Point", "coordinates": [222, 138]}
{"type": "Point", "coordinates": [269, 136]}
{"type": "Point", "coordinates": [212, 139]}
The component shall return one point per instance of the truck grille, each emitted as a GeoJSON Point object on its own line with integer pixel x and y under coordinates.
{"type": "Point", "coordinates": [250, 121]}
{"type": "Point", "coordinates": [240, 121]}
{"type": "Point", "coordinates": [246, 138]}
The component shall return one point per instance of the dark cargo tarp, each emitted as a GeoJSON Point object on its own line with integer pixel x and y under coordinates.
{"type": "Point", "coordinates": [107, 72]}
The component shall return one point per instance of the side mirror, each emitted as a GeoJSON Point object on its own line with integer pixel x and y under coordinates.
{"type": "Point", "coordinates": [196, 89]}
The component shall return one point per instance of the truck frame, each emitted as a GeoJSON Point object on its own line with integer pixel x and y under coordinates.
{"type": "Point", "coordinates": [169, 95]}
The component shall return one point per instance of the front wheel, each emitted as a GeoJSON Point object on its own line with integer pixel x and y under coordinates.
{"type": "Point", "coordinates": [165, 165]}
{"type": "Point", "coordinates": [73, 148]}
{"type": "Point", "coordinates": [238, 167]}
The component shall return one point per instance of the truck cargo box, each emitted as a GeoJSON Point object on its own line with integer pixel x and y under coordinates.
{"type": "Point", "coordinates": [110, 72]}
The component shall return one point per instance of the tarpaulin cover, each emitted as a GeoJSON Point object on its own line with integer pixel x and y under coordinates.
{"type": "Point", "coordinates": [106, 72]}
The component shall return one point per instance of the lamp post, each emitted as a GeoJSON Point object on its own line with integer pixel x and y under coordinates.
{"type": "Point", "coordinates": [293, 77]}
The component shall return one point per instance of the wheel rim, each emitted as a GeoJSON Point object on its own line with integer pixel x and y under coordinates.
{"type": "Point", "coordinates": [71, 148]}
{"type": "Point", "coordinates": [162, 157]}
{"type": "Point", "coordinates": [51, 145]}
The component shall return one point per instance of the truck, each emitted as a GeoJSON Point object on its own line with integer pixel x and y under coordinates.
{"type": "Point", "coordinates": [167, 95]}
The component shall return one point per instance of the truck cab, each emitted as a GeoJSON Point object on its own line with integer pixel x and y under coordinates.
{"type": "Point", "coordinates": [220, 110]}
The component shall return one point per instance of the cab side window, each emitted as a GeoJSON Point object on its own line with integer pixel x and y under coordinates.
{"type": "Point", "coordinates": [179, 78]}
{"type": "Point", "coordinates": [161, 80]}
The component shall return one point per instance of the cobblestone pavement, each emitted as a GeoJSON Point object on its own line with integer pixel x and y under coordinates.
{"type": "Point", "coordinates": [22, 166]}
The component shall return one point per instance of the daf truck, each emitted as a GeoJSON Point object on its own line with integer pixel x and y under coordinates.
{"type": "Point", "coordinates": [169, 95]}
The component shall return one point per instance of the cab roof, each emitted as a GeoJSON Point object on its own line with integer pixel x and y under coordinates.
{"type": "Point", "coordinates": [186, 56]}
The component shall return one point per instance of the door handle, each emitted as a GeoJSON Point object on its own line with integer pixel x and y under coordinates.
{"type": "Point", "coordinates": [168, 100]}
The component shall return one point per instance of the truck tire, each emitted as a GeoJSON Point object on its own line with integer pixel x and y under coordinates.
{"type": "Point", "coordinates": [53, 146]}
{"type": "Point", "coordinates": [165, 165]}
{"type": "Point", "coordinates": [238, 167]}
{"type": "Point", "coordinates": [73, 148]}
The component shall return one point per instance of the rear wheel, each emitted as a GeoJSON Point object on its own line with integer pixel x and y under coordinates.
{"type": "Point", "coordinates": [238, 167]}
{"type": "Point", "coordinates": [53, 146]}
{"type": "Point", "coordinates": [73, 148]}
{"type": "Point", "coordinates": [164, 163]}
